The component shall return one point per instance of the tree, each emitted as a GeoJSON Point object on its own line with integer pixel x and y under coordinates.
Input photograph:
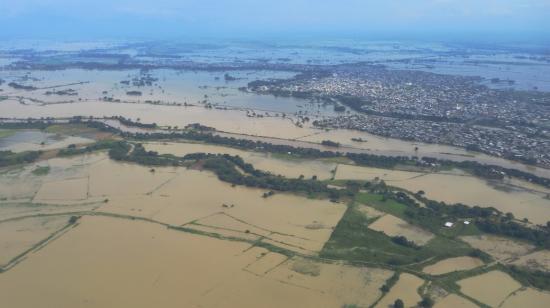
{"type": "Point", "coordinates": [398, 304]}
{"type": "Point", "coordinates": [426, 302]}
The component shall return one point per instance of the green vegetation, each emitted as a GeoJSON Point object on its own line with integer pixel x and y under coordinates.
{"type": "Point", "coordinates": [30, 124]}
{"type": "Point", "coordinates": [100, 145]}
{"type": "Point", "coordinates": [386, 287]}
{"type": "Point", "coordinates": [398, 304]}
{"type": "Point", "coordinates": [70, 129]}
{"type": "Point", "coordinates": [41, 170]}
{"type": "Point", "coordinates": [352, 240]}
{"type": "Point", "coordinates": [329, 143]}
{"type": "Point", "coordinates": [403, 241]}
{"type": "Point", "coordinates": [363, 159]}
{"type": "Point", "coordinates": [6, 132]}
{"type": "Point", "coordinates": [225, 167]}
{"type": "Point", "coordinates": [426, 302]}
{"type": "Point", "coordinates": [19, 86]}
{"type": "Point", "coordinates": [129, 122]}
{"type": "Point", "coordinates": [537, 279]}
{"type": "Point", "coordinates": [8, 158]}
{"type": "Point", "coordinates": [432, 217]}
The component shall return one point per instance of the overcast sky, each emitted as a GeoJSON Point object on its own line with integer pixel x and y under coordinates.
{"type": "Point", "coordinates": [240, 18]}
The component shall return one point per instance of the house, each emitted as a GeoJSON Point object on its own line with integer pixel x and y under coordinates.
{"type": "Point", "coordinates": [448, 224]}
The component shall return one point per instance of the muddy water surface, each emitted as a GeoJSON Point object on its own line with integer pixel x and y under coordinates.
{"type": "Point", "coordinates": [452, 265]}
{"type": "Point", "coordinates": [291, 168]}
{"type": "Point", "coordinates": [125, 263]}
{"type": "Point", "coordinates": [405, 289]}
{"type": "Point", "coordinates": [490, 288]}
{"type": "Point", "coordinates": [394, 226]}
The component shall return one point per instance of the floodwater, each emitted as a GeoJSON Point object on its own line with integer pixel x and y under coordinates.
{"type": "Point", "coordinates": [454, 301]}
{"type": "Point", "coordinates": [538, 260]}
{"type": "Point", "coordinates": [175, 88]}
{"type": "Point", "coordinates": [528, 297]}
{"type": "Point", "coordinates": [452, 265]}
{"type": "Point", "coordinates": [358, 286]}
{"type": "Point", "coordinates": [394, 226]}
{"type": "Point", "coordinates": [405, 289]}
{"type": "Point", "coordinates": [172, 87]}
{"type": "Point", "coordinates": [377, 143]}
{"type": "Point", "coordinates": [500, 248]}
{"type": "Point", "coordinates": [490, 288]}
{"type": "Point", "coordinates": [523, 202]}
{"type": "Point", "coordinates": [224, 120]}
{"type": "Point", "coordinates": [126, 263]}
{"type": "Point", "coordinates": [17, 236]}
{"type": "Point", "coordinates": [175, 196]}
{"type": "Point", "coordinates": [34, 140]}
{"type": "Point", "coordinates": [291, 168]}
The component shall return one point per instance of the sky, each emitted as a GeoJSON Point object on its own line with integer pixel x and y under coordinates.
{"type": "Point", "coordinates": [32, 19]}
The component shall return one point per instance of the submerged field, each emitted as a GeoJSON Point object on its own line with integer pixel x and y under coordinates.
{"type": "Point", "coordinates": [121, 263]}
{"type": "Point", "coordinates": [117, 233]}
{"type": "Point", "coordinates": [522, 199]}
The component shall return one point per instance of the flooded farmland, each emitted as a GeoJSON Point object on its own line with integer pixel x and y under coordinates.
{"type": "Point", "coordinates": [527, 297]}
{"type": "Point", "coordinates": [452, 265]}
{"type": "Point", "coordinates": [522, 201]}
{"type": "Point", "coordinates": [34, 140]}
{"type": "Point", "coordinates": [177, 196]}
{"type": "Point", "coordinates": [18, 236]}
{"type": "Point", "coordinates": [453, 300]}
{"type": "Point", "coordinates": [157, 266]}
{"type": "Point", "coordinates": [140, 232]}
{"type": "Point", "coordinates": [393, 226]}
{"type": "Point", "coordinates": [262, 161]}
{"type": "Point", "coordinates": [124, 212]}
{"type": "Point", "coordinates": [177, 98]}
{"type": "Point", "coordinates": [405, 289]}
{"type": "Point", "coordinates": [491, 288]}
{"type": "Point", "coordinates": [498, 247]}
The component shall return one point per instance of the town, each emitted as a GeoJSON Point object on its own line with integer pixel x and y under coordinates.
{"type": "Point", "coordinates": [427, 107]}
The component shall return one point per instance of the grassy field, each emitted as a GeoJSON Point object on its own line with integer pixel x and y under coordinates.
{"type": "Point", "coordinates": [41, 170]}
{"type": "Point", "coordinates": [80, 130]}
{"type": "Point", "coordinates": [6, 132]}
{"type": "Point", "coordinates": [352, 240]}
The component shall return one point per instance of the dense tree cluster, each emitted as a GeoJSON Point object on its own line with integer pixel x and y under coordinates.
{"type": "Point", "coordinates": [225, 167]}
{"type": "Point", "coordinates": [503, 226]}
{"type": "Point", "coordinates": [385, 288]}
{"type": "Point", "coordinates": [129, 122]}
{"type": "Point", "coordinates": [8, 158]}
{"type": "Point", "coordinates": [330, 143]}
{"type": "Point", "coordinates": [19, 86]}
{"type": "Point", "coordinates": [403, 241]}
{"type": "Point", "coordinates": [101, 145]}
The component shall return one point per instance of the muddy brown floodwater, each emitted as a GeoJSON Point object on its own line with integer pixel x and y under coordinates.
{"type": "Point", "coordinates": [125, 263]}
{"type": "Point", "coordinates": [490, 288]}
{"type": "Point", "coordinates": [453, 264]}
{"type": "Point", "coordinates": [262, 161]}
{"type": "Point", "coordinates": [405, 289]}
